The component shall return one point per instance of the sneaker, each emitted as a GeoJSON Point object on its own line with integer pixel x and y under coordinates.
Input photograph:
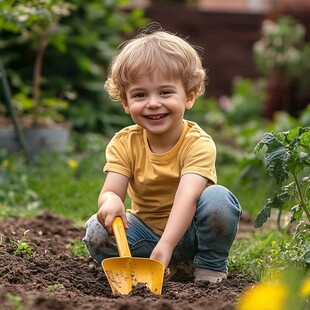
{"type": "Point", "coordinates": [206, 275]}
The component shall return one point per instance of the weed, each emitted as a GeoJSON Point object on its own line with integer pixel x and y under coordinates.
{"type": "Point", "coordinates": [23, 248]}
{"type": "Point", "coordinates": [55, 287]}
{"type": "Point", "coordinates": [16, 197]}
{"type": "Point", "coordinates": [16, 301]}
{"type": "Point", "coordinates": [269, 250]}
{"type": "Point", "coordinates": [78, 248]}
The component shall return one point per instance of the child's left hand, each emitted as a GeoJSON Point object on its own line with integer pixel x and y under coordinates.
{"type": "Point", "coordinates": [162, 252]}
{"type": "Point", "coordinates": [166, 274]}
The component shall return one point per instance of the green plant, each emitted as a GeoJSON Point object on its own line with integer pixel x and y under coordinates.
{"type": "Point", "coordinates": [245, 104]}
{"type": "Point", "coordinates": [66, 184]}
{"type": "Point", "coordinates": [287, 154]}
{"type": "Point", "coordinates": [23, 248]}
{"type": "Point", "coordinates": [269, 250]}
{"type": "Point", "coordinates": [36, 22]}
{"type": "Point", "coordinates": [16, 196]}
{"type": "Point", "coordinates": [15, 301]}
{"type": "Point", "coordinates": [75, 62]}
{"type": "Point", "coordinates": [280, 46]}
{"type": "Point", "coordinates": [55, 287]}
{"type": "Point", "coordinates": [78, 248]}
{"type": "Point", "coordinates": [283, 49]}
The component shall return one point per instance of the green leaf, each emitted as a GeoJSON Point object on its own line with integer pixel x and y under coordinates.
{"type": "Point", "coordinates": [297, 212]}
{"type": "Point", "coordinates": [276, 158]}
{"type": "Point", "coordinates": [277, 201]}
{"type": "Point", "coordinates": [266, 139]}
{"type": "Point", "coordinates": [262, 216]}
{"type": "Point", "coordinates": [305, 138]}
{"type": "Point", "coordinates": [307, 257]}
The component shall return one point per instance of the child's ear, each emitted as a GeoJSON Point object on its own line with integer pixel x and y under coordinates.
{"type": "Point", "coordinates": [190, 100]}
{"type": "Point", "coordinates": [125, 106]}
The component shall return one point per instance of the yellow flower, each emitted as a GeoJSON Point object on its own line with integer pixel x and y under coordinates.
{"type": "Point", "coordinates": [73, 164]}
{"type": "Point", "coordinates": [305, 288]}
{"type": "Point", "coordinates": [5, 163]}
{"type": "Point", "coordinates": [264, 296]}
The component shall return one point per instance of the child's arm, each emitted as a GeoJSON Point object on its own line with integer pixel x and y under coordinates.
{"type": "Point", "coordinates": [111, 200]}
{"type": "Point", "coordinates": [181, 216]}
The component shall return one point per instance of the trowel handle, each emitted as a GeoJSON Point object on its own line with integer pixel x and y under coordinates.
{"type": "Point", "coordinates": [120, 237]}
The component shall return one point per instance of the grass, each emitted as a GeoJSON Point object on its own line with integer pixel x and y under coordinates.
{"type": "Point", "coordinates": [269, 251]}
{"type": "Point", "coordinates": [69, 185]}
{"type": "Point", "coordinates": [251, 194]}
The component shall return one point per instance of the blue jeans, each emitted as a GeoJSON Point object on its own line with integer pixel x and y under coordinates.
{"type": "Point", "coordinates": [206, 243]}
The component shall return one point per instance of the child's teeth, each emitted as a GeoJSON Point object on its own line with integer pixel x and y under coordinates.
{"type": "Point", "coordinates": [156, 116]}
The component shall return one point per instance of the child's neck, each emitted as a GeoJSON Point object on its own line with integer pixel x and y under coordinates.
{"type": "Point", "coordinates": [160, 144]}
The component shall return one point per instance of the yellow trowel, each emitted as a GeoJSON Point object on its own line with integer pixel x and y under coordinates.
{"type": "Point", "coordinates": [125, 272]}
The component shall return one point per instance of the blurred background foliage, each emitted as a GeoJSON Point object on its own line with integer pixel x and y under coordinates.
{"type": "Point", "coordinates": [80, 47]}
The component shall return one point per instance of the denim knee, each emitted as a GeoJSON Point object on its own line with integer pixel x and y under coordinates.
{"type": "Point", "coordinates": [216, 220]}
{"type": "Point", "coordinates": [99, 243]}
{"type": "Point", "coordinates": [217, 198]}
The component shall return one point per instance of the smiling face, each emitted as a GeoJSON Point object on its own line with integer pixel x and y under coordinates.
{"type": "Point", "coordinates": [158, 104]}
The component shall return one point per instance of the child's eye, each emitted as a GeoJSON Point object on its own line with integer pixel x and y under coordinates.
{"type": "Point", "coordinates": [138, 95]}
{"type": "Point", "coordinates": [166, 92]}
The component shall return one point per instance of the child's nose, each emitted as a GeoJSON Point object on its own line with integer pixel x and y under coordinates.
{"type": "Point", "coordinates": [153, 102]}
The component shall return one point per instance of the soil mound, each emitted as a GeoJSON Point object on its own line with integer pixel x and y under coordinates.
{"type": "Point", "coordinates": [52, 278]}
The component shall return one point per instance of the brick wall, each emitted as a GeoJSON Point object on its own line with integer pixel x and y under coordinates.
{"type": "Point", "coordinates": [226, 37]}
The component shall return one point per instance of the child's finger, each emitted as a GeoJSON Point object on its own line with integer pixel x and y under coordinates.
{"type": "Point", "coordinates": [166, 273]}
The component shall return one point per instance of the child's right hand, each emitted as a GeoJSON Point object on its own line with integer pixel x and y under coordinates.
{"type": "Point", "coordinates": [111, 208]}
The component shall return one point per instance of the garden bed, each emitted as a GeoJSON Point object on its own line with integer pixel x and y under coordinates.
{"type": "Point", "coordinates": [53, 278]}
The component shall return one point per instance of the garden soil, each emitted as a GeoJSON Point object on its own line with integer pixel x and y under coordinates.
{"type": "Point", "coordinates": [52, 278]}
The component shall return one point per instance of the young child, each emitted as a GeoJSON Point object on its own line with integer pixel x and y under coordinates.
{"type": "Point", "coordinates": [166, 163]}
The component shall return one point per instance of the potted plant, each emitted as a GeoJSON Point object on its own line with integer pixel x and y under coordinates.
{"type": "Point", "coordinates": [282, 55]}
{"type": "Point", "coordinates": [37, 23]}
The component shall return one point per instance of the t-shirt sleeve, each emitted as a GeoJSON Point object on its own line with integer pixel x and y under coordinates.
{"type": "Point", "coordinates": [117, 159]}
{"type": "Point", "coordinates": [200, 159]}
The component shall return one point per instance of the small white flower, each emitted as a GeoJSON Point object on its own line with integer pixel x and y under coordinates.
{"type": "Point", "coordinates": [22, 18]}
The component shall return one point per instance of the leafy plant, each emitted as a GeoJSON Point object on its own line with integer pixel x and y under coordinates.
{"type": "Point", "coordinates": [283, 50]}
{"type": "Point", "coordinates": [55, 287]}
{"type": "Point", "coordinates": [245, 104]}
{"type": "Point", "coordinates": [16, 196]}
{"type": "Point", "coordinates": [270, 250]}
{"type": "Point", "coordinates": [280, 46]}
{"type": "Point", "coordinates": [287, 154]}
{"type": "Point", "coordinates": [23, 248]}
{"type": "Point", "coordinates": [78, 248]}
{"type": "Point", "coordinates": [36, 22]}
{"type": "Point", "coordinates": [75, 62]}
{"type": "Point", "coordinates": [15, 301]}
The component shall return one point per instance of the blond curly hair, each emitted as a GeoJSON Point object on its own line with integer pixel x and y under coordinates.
{"type": "Point", "coordinates": [150, 53]}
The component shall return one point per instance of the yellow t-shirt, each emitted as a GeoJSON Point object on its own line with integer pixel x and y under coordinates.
{"type": "Point", "coordinates": [154, 178]}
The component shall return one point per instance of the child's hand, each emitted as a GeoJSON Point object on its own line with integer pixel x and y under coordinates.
{"type": "Point", "coordinates": [111, 208]}
{"type": "Point", "coordinates": [162, 252]}
{"type": "Point", "coordinates": [166, 274]}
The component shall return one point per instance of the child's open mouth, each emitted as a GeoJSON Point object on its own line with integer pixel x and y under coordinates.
{"type": "Point", "coordinates": [156, 117]}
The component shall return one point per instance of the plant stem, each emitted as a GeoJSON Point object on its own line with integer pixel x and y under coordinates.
{"type": "Point", "coordinates": [279, 219]}
{"type": "Point", "coordinates": [8, 101]}
{"type": "Point", "coordinates": [302, 201]}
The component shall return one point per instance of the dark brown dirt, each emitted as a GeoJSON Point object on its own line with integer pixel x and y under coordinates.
{"type": "Point", "coordinates": [52, 278]}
